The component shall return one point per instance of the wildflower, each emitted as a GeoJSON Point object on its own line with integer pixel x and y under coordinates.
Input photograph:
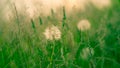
{"type": "Point", "coordinates": [56, 33]}
{"type": "Point", "coordinates": [48, 33]}
{"type": "Point", "coordinates": [83, 25]}
{"type": "Point", "coordinates": [87, 52]}
{"type": "Point", "coordinates": [52, 33]}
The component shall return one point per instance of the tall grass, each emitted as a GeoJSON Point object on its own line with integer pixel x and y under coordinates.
{"type": "Point", "coordinates": [23, 44]}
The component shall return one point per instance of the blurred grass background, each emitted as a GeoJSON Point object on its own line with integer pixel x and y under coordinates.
{"type": "Point", "coordinates": [23, 45]}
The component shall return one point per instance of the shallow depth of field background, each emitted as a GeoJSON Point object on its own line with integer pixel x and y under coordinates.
{"type": "Point", "coordinates": [23, 43]}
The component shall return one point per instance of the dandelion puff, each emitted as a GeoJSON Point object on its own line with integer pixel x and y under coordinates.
{"type": "Point", "coordinates": [84, 25]}
{"type": "Point", "coordinates": [87, 52]}
{"type": "Point", "coordinates": [57, 33]}
{"type": "Point", "coordinates": [52, 33]}
{"type": "Point", "coordinates": [48, 33]}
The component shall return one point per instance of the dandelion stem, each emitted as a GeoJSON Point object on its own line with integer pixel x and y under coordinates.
{"type": "Point", "coordinates": [33, 25]}
{"type": "Point", "coordinates": [40, 21]}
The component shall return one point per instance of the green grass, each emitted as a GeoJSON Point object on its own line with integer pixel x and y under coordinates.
{"type": "Point", "coordinates": [23, 45]}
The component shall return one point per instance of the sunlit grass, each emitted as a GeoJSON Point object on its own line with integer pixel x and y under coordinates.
{"type": "Point", "coordinates": [58, 41]}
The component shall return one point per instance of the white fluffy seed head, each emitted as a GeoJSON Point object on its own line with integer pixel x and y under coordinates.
{"type": "Point", "coordinates": [84, 25]}
{"type": "Point", "coordinates": [57, 33]}
{"type": "Point", "coordinates": [52, 33]}
{"type": "Point", "coordinates": [86, 53]}
{"type": "Point", "coordinates": [48, 34]}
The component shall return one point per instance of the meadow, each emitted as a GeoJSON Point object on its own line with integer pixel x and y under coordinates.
{"type": "Point", "coordinates": [79, 39]}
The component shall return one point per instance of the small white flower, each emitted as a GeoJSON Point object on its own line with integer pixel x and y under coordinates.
{"type": "Point", "coordinates": [52, 33]}
{"type": "Point", "coordinates": [86, 53]}
{"type": "Point", "coordinates": [48, 33]}
{"type": "Point", "coordinates": [84, 25]}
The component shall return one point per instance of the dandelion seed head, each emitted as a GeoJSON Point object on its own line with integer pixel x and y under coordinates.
{"type": "Point", "coordinates": [83, 25]}
{"type": "Point", "coordinates": [48, 34]}
{"type": "Point", "coordinates": [52, 33]}
{"type": "Point", "coordinates": [87, 52]}
{"type": "Point", "coordinates": [57, 34]}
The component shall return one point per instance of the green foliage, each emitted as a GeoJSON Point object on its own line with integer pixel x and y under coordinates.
{"type": "Point", "coordinates": [21, 47]}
